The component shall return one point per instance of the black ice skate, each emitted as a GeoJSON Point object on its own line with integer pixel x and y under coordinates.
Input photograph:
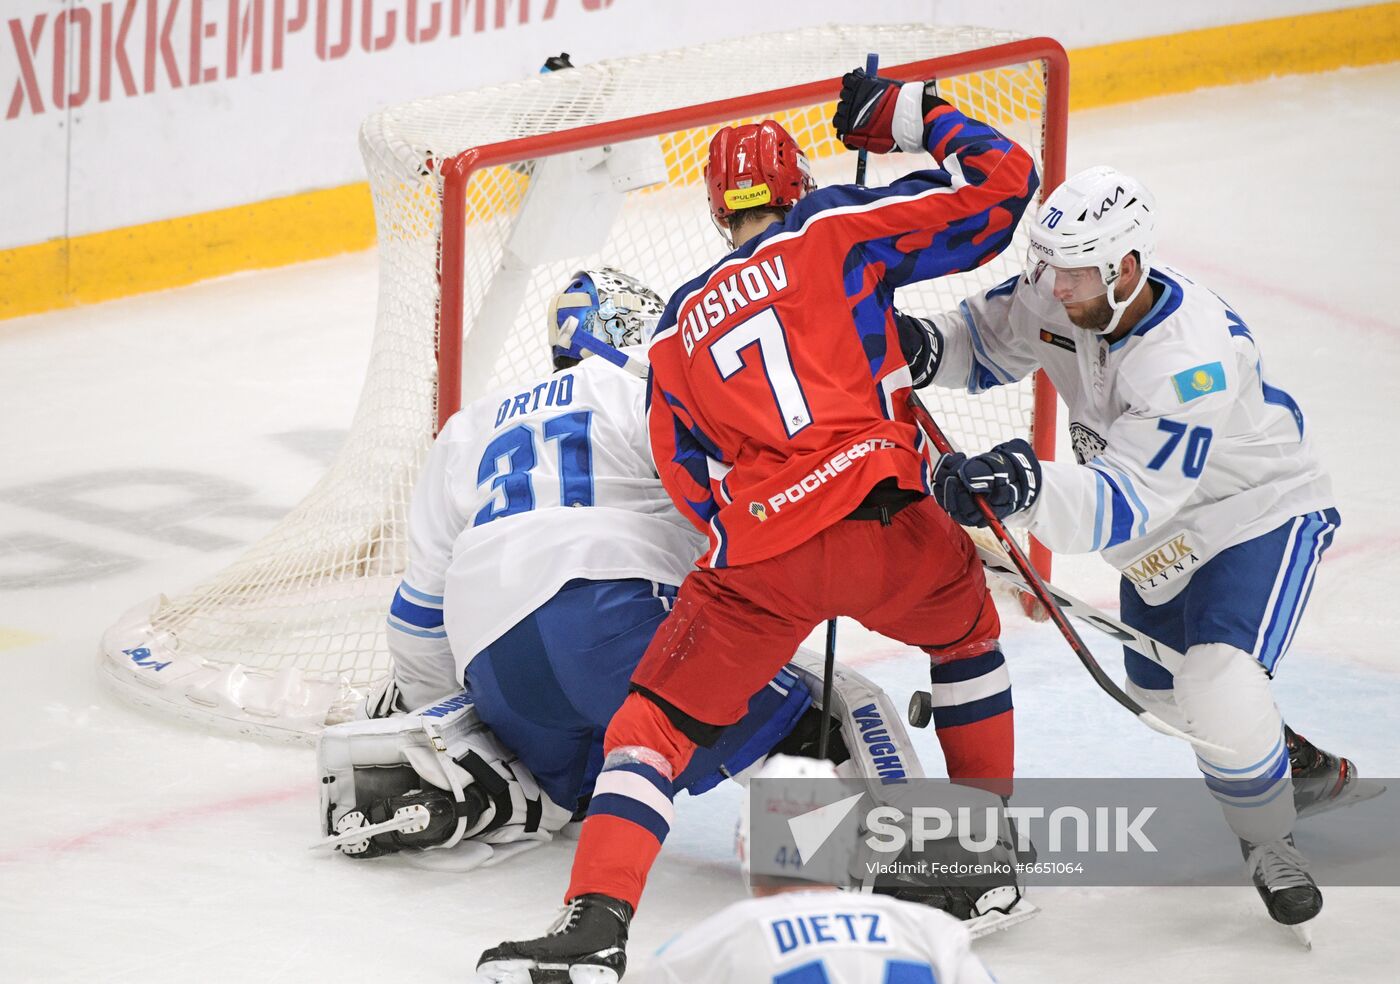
{"type": "Point", "coordinates": [1323, 781]}
{"type": "Point", "coordinates": [992, 903]}
{"type": "Point", "coordinates": [1281, 875]}
{"type": "Point", "coordinates": [586, 944]}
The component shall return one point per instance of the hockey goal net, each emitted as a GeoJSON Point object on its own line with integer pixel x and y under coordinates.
{"type": "Point", "coordinates": [485, 203]}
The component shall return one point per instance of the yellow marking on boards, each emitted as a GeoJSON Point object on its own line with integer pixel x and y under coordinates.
{"type": "Point", "coordinates": [296, 228]}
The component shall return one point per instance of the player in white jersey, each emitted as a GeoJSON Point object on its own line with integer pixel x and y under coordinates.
{"type": "Point", "coordinates": [1192, 474]}
{"type": "Point", "coordinates": [814, 934]}
{"type": "Point", "coordinates": [496, 520]}
{"type": "Point", "coordinates": [820, 936]}
{"type": "Point", "coordinates": [544, 554]}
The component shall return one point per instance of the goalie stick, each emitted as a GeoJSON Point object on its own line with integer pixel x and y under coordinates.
{"type": "Point", "coordinates": [1057, 614]}
{"type": "Point", "coordinates": [872, 64]}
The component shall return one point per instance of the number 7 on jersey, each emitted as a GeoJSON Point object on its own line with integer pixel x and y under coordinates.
{"type": "Point", "coordinates": [775, 362]}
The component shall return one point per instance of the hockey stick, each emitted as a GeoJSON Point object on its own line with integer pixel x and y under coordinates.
{"type": "Point", "coordinates": [1043, 595]}
{"type": "Point", "coordinates": [828, 671]}
{"type": "Point", "coordinates": [1159, 652]}
{"type": "Point", "coordinates": [872, 64]}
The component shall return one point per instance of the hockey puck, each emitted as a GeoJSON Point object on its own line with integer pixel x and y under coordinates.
{"type": "Point", "coordinates": [920, 708]}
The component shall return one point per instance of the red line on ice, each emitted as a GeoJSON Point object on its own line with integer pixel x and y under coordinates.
{"type": "Point", "coordinates": [1293, 296]}
{"type": "Point", "coordinates": [140, 826]}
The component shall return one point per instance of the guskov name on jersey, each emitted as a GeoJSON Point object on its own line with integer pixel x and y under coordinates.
{"type": "Point", "coordinates": [823, 473]}
{"type": "Point", "coordinates": [749, 284]}
{"type": "Point", "coordinates": [558, 391]}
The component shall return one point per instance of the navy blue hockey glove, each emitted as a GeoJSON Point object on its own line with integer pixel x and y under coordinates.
{"type": "Point", "coordinates": [922, 345]}
{"type": "Point", "coordinates": [864, 117]}
{"type": "Point", "coordinates": [1008, 476]}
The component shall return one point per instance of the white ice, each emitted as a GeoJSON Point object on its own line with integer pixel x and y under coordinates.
{"type": "Point", "coordinates": [136, 850]}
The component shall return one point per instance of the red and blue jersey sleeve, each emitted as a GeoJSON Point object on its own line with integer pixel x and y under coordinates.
{"type": "Point", "coordinates": [940, 220]}
{"type": "Point", "coordinates": [778, 394]}
{"type": "Point", "coordinates": [683, 454]}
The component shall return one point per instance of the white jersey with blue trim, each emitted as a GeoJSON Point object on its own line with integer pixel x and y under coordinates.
{"type": "Point", "coordinates": [525, 489]}
{"type": "Point", "coordinates": [1181, 448]}
{"type": "Point", "coordinates": [820, 937]}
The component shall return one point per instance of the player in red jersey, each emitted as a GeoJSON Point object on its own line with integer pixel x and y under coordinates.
{"type": "Point", "coordinates": [779, 423]}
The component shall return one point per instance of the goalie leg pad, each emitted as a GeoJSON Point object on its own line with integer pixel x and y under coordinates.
{"type": "Point", "coordinates": [439, 763]}
{"type": "Point", "coordinates": [969, 872]}
{"type": "Point", "coordinates": [870, 725]}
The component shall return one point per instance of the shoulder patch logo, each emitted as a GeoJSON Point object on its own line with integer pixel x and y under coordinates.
{"type": "Point", "coordinates": [1087, 444]}
{"type": "Point", "coordinates": [1050, 338]}
{"type": "Point", "coordinates": [1192, 383]}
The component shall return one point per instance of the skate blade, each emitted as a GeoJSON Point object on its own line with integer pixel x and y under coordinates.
{"type": "Point", "coordinates": [995, 922]}
{"type": "Point", "coordinates": [1303, 933]}
{"type": "Point", "coordinates": [504, 972]}
{"type": "Point", "coordinates": [530, 972]}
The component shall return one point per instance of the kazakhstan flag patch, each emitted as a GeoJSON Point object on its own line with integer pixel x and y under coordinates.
{"type": "Point", "coordinates": [1191, 383]}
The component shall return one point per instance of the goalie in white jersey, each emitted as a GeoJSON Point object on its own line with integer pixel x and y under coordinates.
{"type": "Point", "coordinates": [1193, 475]}
{"type": "Point", "coordinates": [809, 933]}
{"type": "Point", "coordinates": [544, 554]}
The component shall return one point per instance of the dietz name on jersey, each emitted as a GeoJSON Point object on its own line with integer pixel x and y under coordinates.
{"type": "Point", "coordinates": [750, 284]}
{"type": "Point", "coordinates": [820, 475]}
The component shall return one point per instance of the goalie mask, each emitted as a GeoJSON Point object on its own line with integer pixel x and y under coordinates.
{"type": "Point", "coordinates": [1079, 239]}
{"type": "Point", "coordinates": [599, 312]}
{"type": "Point", "coordinates": [757, 164]}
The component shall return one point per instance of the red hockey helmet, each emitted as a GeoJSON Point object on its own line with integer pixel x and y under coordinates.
{"type": "Point", "coordinates": [755, 164]}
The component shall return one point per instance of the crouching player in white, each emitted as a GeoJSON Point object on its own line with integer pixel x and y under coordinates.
{"type": "Point", "coordinates": [544, 554]}
{"type": "Point", "coordinates": [802, 932]}
{"type": "Point", "coordinates": [1193, 476]}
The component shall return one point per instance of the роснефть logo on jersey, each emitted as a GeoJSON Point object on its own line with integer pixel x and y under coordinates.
{"type": "Point", "coordinates": [820, 475]}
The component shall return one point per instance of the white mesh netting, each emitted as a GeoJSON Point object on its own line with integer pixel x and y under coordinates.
{"type": "Point", "coordinates": [311, 596]}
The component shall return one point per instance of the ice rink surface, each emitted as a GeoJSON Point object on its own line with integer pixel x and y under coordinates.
{"type": "Point", "coordinates": [145, 441]}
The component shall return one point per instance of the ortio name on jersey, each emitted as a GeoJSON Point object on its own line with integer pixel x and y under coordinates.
{"type": "Point", "coordinates": [558, 392]}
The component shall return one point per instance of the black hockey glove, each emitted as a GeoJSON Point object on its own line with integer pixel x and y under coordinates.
{"type": "Point", "coordinates": [1008, 476]}
{"type": "Point", "coordinates": [921, 343]}
{"type": "Point", "coordinates": [864, 117]}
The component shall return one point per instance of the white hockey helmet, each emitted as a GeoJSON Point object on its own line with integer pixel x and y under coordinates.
{"type": "Point", "coordinates": [1083, 231]}
{"type": "Point", "coordinates": [601, 310]}
{"type": "Point", "coordinates": [777, 767]}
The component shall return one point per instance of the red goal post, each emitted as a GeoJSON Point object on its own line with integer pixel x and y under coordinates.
{"type": "Point", "coordinates": [485, 203]}
{"type": "Point", "coordinates": [458, 170]}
